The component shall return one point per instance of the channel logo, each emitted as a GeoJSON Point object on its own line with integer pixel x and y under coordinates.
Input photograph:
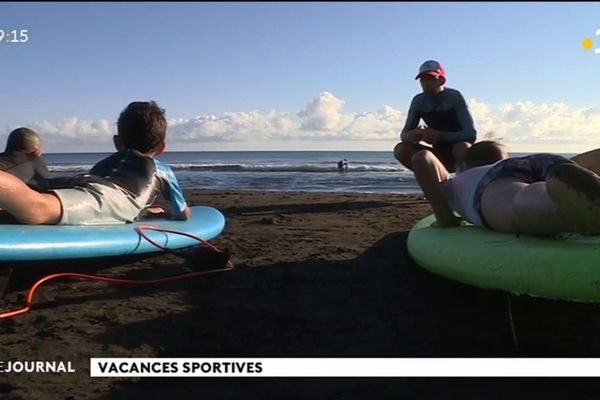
{"type": "Point", "coordinates": [588, 43]}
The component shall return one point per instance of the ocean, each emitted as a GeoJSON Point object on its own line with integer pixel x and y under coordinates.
{"type": "Point", "coordinates": [308, 171]}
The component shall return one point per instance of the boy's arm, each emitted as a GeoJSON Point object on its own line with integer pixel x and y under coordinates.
{"type": "Point", "coordinates": [432, 177]}
{"type": "Point", "coordinates": [178, 205]}
{"type": "Point", "coordinates": [187, 213]}
{"type": "Point", "coordinates": [173, 193]}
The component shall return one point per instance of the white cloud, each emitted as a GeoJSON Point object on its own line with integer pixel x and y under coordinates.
{"type": "Point", "coordinates": [75, 128]}
{"type": "Point", "coordinates": [322, 114]}
{"type": "Point", "coordinates": [525, 122]}
{"type": "Point", "coordinates": [72, 134]}
{"type": "Point", "coordinates": [231, 126]}
{"type": "Point", "coordinates": [322, 120]}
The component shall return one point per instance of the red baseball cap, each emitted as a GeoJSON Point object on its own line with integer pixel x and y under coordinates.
{"type": "Point", "coordinates": [431, 68]}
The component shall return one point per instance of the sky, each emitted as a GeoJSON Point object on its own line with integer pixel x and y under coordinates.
{"type": "Point", "coordinates": [298, 76]}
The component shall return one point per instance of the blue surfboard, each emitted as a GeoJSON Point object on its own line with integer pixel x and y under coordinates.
{"type": "Point", "coordinates": [62, 242]}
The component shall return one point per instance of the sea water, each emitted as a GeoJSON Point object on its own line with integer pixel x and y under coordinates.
{"type": "Point", "coordinates": [309, 171]}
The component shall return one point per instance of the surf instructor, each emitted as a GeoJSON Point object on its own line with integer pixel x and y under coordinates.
{"type": "Point", "coordinates": [449, 129]}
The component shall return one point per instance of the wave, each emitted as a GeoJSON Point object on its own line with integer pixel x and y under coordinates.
{"type": "Point", "coordinates": [221, 167]}
{"type": "Point", "coordinates": [285, 167]}
{"type": "Point", "coordinates": [70, 168]}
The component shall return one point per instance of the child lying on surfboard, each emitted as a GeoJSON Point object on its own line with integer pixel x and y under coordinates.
{"type": "Point", "coordinates": [539, 194]}
{"type": "Point", "coordinates": [116, 190]}
{"type": "Point", "coordinates": [23, 158]}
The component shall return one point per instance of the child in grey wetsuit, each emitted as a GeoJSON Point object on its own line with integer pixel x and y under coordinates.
{"type": "Point", "coordinates": [116, 190]}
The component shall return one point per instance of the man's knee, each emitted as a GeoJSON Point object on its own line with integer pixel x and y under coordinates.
{"type": "Point", "coordinates": [404, 153]}
{"type": "Point", "coordinates": [422, 158]}
{"type": "Point", "coordinates": [400, 151]}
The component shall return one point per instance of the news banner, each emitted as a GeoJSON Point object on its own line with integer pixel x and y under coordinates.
{"type": "Point", "coordinates": [311, 367]}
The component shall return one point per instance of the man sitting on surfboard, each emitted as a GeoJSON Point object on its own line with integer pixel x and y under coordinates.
{"type": "Point", "coordinates": [449, 129]}
{"type": "Point", "coordinates": [23, 157]}
{"type": "Point", "coordinates": [539, 194]}
{"type": "Point", "coordinates": [116, 190]}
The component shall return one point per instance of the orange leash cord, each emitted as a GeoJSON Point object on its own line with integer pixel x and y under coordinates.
{"type": "Point", "coordinates": [101, 278]}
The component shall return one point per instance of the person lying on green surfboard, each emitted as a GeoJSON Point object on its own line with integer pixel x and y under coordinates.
{"type": "Point", "coordinates": [538, 194]}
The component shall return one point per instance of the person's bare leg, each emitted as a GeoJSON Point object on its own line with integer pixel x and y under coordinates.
{"type": "Point", "coordinates": [27, 205]}
{"type": "Point", "coordinates": [535, 213]}
{"type": "Point", "coordinates": [453, 160]}
{"type": "Point", "coordinates": [404, 152]}
{"type": "Point", "coordinates": [568, 201]}
{"type": "Point", "coordinates": [458, 151]}
{"type": "Point", "coordinates": [430, 173]}
{"type": "Point", "coordinates": [565, 202]}
{"type": "Point", "coordinates": [497, 204]}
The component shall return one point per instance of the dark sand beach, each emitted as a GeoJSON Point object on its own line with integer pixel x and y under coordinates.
{"type": "Point", "coordinates": [316, 275]}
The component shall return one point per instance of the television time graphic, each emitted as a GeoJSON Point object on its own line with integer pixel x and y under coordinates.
{"type": "Point", "coordinates": [14, 36]}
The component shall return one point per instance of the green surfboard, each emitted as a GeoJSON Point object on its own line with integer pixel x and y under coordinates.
{"type": "Point", "coordinates": [566, 267]}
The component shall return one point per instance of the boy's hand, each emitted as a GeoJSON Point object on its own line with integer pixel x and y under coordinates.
{"type": "Point", "coordinates": [187, 213]}
{"type": "Point", "coordinates": [155, 211]}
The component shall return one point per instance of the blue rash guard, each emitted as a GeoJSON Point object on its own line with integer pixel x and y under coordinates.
{"type": "Point", "coordinates": [141, 177]}
{"type": "Point", "coordinates": [446, 112]}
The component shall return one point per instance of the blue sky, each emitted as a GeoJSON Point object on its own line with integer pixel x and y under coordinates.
{"type": "Point", "coordinates": [336, 75]}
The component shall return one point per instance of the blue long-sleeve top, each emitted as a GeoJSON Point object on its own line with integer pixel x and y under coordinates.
{"type": "Point", "coordinates": [446, 112]}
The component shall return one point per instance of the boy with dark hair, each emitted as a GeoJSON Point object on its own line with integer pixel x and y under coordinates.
{"type": "Point", "coordinates": [23, 158]}
{"type": "Point", "coordinates": [116, 190]}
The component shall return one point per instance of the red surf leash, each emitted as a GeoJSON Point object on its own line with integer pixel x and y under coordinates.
{"type": "Point", "coordinates": [108, 279]}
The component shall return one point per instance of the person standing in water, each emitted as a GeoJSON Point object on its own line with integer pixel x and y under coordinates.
{"type": "Point", "coordinates": [342, 166]}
